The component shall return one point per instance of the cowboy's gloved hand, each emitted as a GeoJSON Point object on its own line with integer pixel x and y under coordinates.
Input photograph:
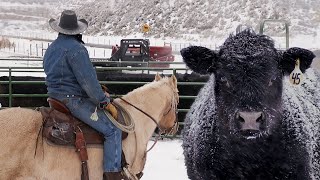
{"type": "Point", "coordinates": [112, 110]}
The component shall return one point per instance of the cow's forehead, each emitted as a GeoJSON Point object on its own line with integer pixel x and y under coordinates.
{"type": "Point", "coordinates": [248, 49]}
{"type": "Point", "coordinates": [254, 60]}
{"type": "Point", "coordinates": [247, 43]}
{"type": "Point", "coordinates": [236, 65]}
{"type": "Point", "coordinates": [248, 37]}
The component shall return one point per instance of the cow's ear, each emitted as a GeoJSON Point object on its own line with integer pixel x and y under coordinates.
{"type": "Point", "coordinates": [199, 59]}
{"type": "Point", "coordinates": [290, 56]}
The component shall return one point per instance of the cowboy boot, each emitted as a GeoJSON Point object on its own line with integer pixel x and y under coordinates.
{"type": "Point", "coordinates": [115, 176]}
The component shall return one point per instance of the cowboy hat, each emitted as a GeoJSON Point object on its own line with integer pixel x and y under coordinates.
{"type": "Point", "coordinates": [68, 23]}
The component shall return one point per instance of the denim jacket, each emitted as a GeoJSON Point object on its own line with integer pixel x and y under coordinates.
{"type": "Point", "coordinates": [70, 72]}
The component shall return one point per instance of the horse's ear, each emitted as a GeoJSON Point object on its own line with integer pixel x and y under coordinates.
{"type": "Point", "coordinates": [157, 77]}
{"type": "Point", "coordinates": [174, 81]}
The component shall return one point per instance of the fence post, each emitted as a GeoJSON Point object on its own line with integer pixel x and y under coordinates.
{"type": "Point", "coordinates": [37, 49]}
{"type": "Point", "coordinates": [10, 88]}
{"type": "Point", "coordinates": [30, 50]}
{"type": "Point", "coordinates": [42, 49]}
{"type": "Point", "coordinates": [286, 24]}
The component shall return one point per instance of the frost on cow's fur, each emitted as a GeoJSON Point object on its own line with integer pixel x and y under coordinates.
{"type": "Point", "coordinates": [301, 106]}
{"type": "Point", "coordinates": [301, 110]}
{"type": "Point", "coordinates": [221, 140]}
{"type": "Point", "coordinates": [196, 130]}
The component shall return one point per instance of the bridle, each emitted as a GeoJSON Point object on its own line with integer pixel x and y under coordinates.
{"type": "Point", "coordinates": [162, 132]}
{"type": "Point", "coordinates": [175, 126]}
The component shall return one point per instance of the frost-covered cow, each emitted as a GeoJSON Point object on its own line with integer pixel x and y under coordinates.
{"type": "Point", "coordinates": [248, 122]}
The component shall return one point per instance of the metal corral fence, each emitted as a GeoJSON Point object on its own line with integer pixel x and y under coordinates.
{"type": "Point", "coordinates": [27, 71]}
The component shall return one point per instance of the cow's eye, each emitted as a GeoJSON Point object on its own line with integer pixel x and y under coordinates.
{"type": "Point", "coordinates": [272, 80]}
{"type": "Point", "coordinates": [224, 80]}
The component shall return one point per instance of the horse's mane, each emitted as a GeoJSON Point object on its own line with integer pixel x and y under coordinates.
{"type": "Point", "coordinates": [165, 81]}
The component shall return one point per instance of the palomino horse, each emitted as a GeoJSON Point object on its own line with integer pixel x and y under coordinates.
{"type": "Point", "coordinates": [19, 128]}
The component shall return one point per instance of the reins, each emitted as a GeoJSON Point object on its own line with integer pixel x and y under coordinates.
{"type": "Point", "coordinates": [159, 134]}
{"type": "Point", "coordinates": [148, 115]}
{"type": "Point", "coordinates": [139, 110]}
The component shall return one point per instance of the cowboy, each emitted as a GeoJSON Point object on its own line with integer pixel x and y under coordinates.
{"type": "Point", "coordinates": [71, 79]}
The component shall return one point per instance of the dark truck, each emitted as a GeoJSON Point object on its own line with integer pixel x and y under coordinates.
{"type": "Point", "coordinates": [133, 51]}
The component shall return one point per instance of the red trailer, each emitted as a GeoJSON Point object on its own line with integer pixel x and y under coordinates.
{"type": "Point", "coordinates": [139, 50]}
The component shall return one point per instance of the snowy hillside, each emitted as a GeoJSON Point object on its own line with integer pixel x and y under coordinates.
{"type": "Point", "coordinates": [173, 18]}
{"type": "Point", "coordinates": [198, 22]}
{"type": "Point", "coordinates": [167, 18]}
{"type": "Point", "coordinates": [31, 15]}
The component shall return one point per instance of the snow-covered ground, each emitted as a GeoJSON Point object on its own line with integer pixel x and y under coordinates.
{"type": "Point", "coordinates": [165, 161]}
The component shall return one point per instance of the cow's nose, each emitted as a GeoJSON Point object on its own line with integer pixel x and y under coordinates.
{"type": "Point", "coordinates": [250, 120]}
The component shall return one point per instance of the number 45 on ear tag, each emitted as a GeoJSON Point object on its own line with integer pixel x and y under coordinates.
{"type": "Point", "coordinates": [296, 75]}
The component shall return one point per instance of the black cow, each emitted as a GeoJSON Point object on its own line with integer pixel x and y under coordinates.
{"type": "Point", "coordinates": [248, 122]}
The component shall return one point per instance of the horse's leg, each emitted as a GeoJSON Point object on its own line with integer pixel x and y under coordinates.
{"type": "Point", "coordinates": [144, 129]}
{"type": "Point", "coordinates": [140, 158]}
{"type": "Point", "coordinates": [134, 157]}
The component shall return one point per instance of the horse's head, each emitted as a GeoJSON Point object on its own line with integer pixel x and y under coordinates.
{"type": "Point", "coordinates": [168, 123]}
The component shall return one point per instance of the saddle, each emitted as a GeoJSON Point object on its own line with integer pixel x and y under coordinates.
{"type": "Point", "coordinates": [61, 128]}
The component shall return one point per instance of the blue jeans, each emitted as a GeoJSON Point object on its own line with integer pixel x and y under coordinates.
{"type": "Point", "coordinates": [82, 108]}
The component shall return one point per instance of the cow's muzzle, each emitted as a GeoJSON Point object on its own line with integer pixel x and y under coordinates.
{"type": "Point", "coordinates": [251, 123]}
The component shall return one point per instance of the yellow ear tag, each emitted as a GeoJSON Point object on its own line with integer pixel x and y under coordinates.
{"type": "Point", "coordinates": [296, 76]}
